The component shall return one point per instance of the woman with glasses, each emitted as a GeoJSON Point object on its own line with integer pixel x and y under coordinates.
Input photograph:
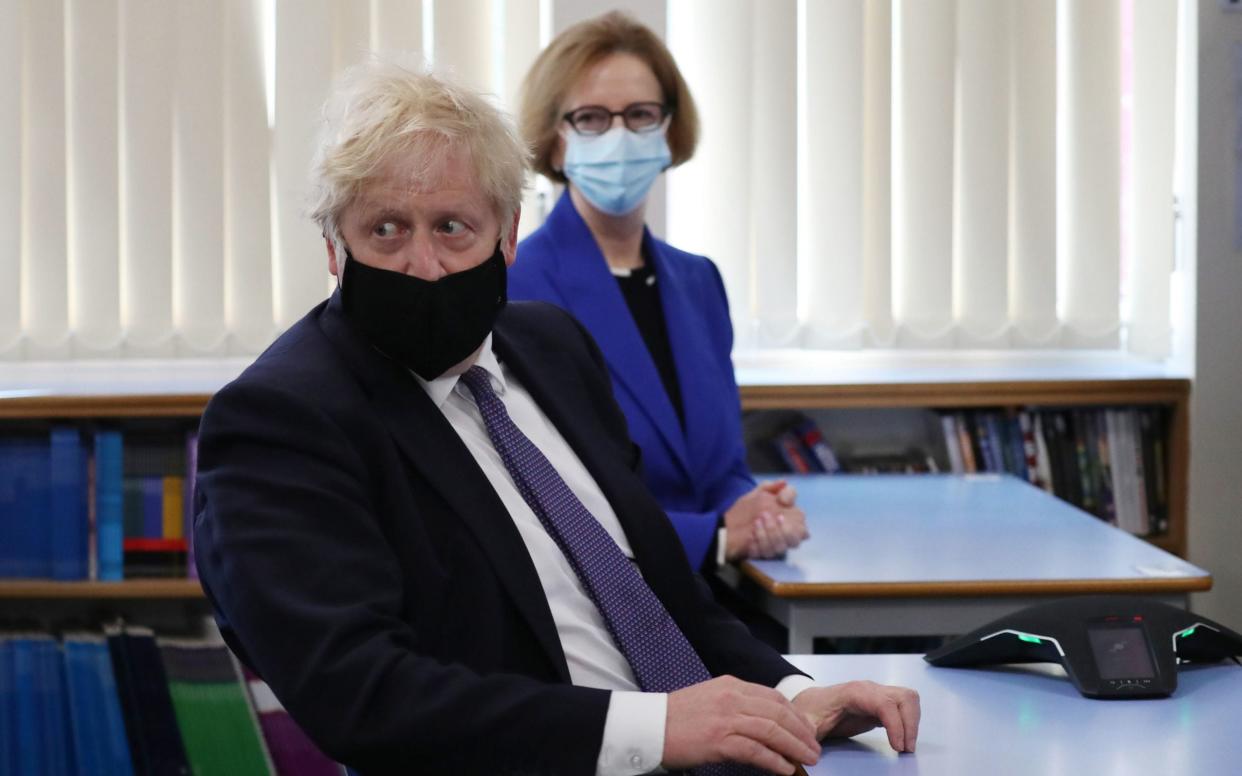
{"type": "Point", "coordinates": [606, 111]}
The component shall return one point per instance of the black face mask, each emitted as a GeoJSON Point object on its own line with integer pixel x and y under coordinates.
{"type": "Point", "coordinates": [427, 326]}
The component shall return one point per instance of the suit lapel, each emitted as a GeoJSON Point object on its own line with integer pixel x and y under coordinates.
{"type": "Point", "coordinates": [594, 299]}
{"type": "Point", "coordinates": [433, 448]}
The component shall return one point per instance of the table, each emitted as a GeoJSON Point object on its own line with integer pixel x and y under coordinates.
{"type": "Point", "coordinates": [1020, 720]}
{"type": "Point", "coordinates": [933, 555]}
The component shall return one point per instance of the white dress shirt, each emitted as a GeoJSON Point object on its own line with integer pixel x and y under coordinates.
{"type": "Point", "coordinates": [634, 727]}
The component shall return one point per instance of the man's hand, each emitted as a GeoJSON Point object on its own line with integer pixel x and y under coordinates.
{"type": "Point", "coordinates": [726, 719]}
{"type": "Point", "coordinates": [845, 710]}
{"type": "Point", "coordinates": [764, 523]}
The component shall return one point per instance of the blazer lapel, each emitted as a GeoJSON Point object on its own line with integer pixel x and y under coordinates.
{"type": "Point", "coordinates": [433, 447]}
{"type": "Point", "coordinates": [594, 299]}
{"type": "Point", "coordinates": [691, 346]}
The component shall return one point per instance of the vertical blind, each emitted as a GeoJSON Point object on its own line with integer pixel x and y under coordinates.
{"type": "Point", "coordinates": [872, 173]}
{"type": "Point", "coordinates": [934, 173]}
{"type": "Point", "coordinates": [154, 158]}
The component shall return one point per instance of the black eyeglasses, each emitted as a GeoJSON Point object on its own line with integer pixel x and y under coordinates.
{"type": "Point", "coordinates": [638, 117]}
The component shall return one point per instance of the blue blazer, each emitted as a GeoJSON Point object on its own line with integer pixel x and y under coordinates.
{"type": "Point", "coordinates": [696, 473]}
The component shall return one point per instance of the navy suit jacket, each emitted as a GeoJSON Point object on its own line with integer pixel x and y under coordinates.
{"type": "Point", "coordinates": [695, 472]}
{"type": "Point", "coordinates": [361, 563]}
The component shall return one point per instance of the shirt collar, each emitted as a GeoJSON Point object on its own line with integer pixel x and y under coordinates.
{"type": "Point", "coordinates": [440, 388]}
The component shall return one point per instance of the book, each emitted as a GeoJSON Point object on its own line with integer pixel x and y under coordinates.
{"type": "Point", "coordinates": [292, 751]}
{"type": "Point", "coordinates": [41, 731]}
{"type": "Point", "coordinates": [155, 744]}
{"type": "Point", "coordinates": [67, 514]}
{"type": "Point", "coordinates": [191, 472]}
{"type": "Point", "coordinates": [173, 507]}
{"type": "Point", "coordinates": [793, 454]}
{"type": "Point", "coordinates": [109, 506]}
{"type": "Point", "coordinates": [813, 439]}
{"type": "Point", "coordinates": [154, 558]}
{"type": "Point", "coordinates": [54, 738]}
{"type": "Point", "coordinates": [219, 728]}
{"type": "Point", "coordinates": [25, 492]}
{"type": "Point", "coordinates": [970, 461]}
{"type": "Point", "coordinates": [1043, 460]}
{"type": "Point", "coordinates": [948, 427]}
{"type": "Point", "coordinates": [99, 742]}
{"type": "Point", "coordinates": [152, 506]}
{"type": "Point", "coordinates": [8, 709]}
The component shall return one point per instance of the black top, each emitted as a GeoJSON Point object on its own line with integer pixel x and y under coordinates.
{"type": "Point", "coordinates": [642, 296]}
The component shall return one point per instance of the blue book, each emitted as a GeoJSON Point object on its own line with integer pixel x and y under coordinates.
{"type": "Point", "coordinates": [8, 710]}
{"type": "Point", "coordinates": [109, 520]}
{"type": "Point", "coordinates": [98, 730]}
{"type": "Point", "coordinates": [152, 507]}
{"type": "Point", "coordinates": [32, 488]}
{"type": "Point", "coordinates": [28, 753]}
{"type": "Point", "coordinates": [10, 535]}
{"type": "Point", "coordinates": [53, 711]}
{"type": "Point", "coordinates": [68, 499]}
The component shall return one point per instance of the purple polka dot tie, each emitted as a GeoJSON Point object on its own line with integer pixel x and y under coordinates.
{"type": "Point", "coordinates": [658, 652]}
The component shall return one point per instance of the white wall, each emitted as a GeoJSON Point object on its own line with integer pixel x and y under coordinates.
{"type": "Point", "coordinates": [1216, 407]}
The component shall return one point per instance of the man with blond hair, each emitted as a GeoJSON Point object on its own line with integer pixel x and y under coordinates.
{"type": "Point", "coordinates": [418, 513]}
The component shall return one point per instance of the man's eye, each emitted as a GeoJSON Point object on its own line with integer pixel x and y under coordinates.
{"type": "Point", "coordinates": [453, 227]}
{"type": "Point", "coordinates": [387, 229]}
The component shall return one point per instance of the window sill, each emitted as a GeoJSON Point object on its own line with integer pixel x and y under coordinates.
{"type": "Point", "coordinates": [799, 367]}
{"type": "Point", "coordinates": [128, 377]}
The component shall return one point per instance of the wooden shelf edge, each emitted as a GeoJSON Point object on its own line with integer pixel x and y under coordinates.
{"type": "Point", "coordinates": [967, 394]}
{"type": "Point", "coordinates": [189, 405]}
{"type": "Point", "coordinates": [127, 589]}
{"type": "Point", "coordinates": [998, 588]}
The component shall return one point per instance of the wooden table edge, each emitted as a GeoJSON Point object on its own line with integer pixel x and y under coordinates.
{"type": "Point", "coordinates": [976, 588]}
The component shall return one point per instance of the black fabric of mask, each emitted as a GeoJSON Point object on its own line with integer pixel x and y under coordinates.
{"type": "Point", "coordinates": [427, 326]}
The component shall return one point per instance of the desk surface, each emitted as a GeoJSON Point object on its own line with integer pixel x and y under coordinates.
{"type": "Point", "coordinates": [945, 535]}
{"type": "Point", "coordinates": [1031, 720]}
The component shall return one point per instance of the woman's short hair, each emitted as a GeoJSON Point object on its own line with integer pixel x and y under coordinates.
{"type": "Point", "coordinates": [379, 108]}
{"type": "Point", "coordinates": [576, 50]}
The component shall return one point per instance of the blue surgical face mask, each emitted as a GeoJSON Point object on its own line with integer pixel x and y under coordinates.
{"type": "Point", "coordinates": [615, 170]}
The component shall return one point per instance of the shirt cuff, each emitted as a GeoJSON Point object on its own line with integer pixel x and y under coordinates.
{"type": "Point", "coordinates": [633, 734]}
{"type": "Point", "coordinates": [793, 684]}
{"type": "Point", "coordinates": [721, 539]}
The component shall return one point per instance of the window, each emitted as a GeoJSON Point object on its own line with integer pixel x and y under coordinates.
{"type": "Point", "coordinates": [936, 174]}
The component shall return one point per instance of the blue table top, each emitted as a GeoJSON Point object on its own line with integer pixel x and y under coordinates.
{"type": "Point", "coordinates": [1020, 720]}
{"type": "Point", "coordinates": [927, 529]}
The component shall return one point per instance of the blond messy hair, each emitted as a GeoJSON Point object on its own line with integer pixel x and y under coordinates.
{"type": "Point", "coordinates": [380, 108]}
{"type": "Point", "coordinates": [567, 58]}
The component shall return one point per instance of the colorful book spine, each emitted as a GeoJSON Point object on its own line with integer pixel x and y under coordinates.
{"type": "Point", "coordinates": [948, 429]}
{"type": "Point", "coordinates": [790, 448]}
{"type": "Point", "coordinates": [191, 471]}
{"type": "Point", "coordinates": [970, 461]}
{"type": "Point", "coordinates": [173, 507]}
{"type": "Point", "coordinates": [109, 504]}
{"type": "Point", "coordinates": [152, 507]}
{"type": "Point", "coordinates": [217, 724]}
{"type": "Point", "coordinates": [292, 751]}
{"type": "Point", "coordinates": [813, 439]}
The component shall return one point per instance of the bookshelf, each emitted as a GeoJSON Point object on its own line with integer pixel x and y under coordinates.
{"type": "Point", "coordinates": [1169, 392]}
{"type": "Point", "coordinates": [120, 409]}
{"type": "Point", "coordinates": [1172, 393]}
